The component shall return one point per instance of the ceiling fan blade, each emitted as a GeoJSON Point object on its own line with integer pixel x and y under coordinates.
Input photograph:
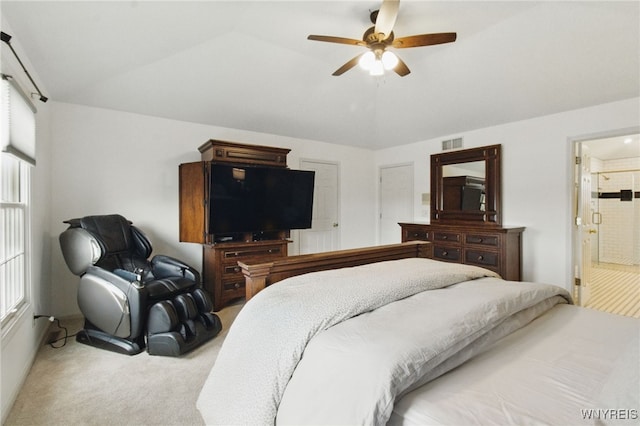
{"type": "Point", "coordinates": [401, 69]}
{"type": "Point", "coordinates": [346, 67]}
{"type": "Point", "coordinates": [387, 17]}
{"type": "Point", "coordinates": [424, 40]}
{"type": "Point", "coordinates": [340, 40]}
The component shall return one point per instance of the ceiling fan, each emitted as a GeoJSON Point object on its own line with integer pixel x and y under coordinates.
{"type": "Point", "coordinates": [378, 38]}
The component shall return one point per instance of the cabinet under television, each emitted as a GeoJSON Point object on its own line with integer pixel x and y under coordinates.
{"type": "Point", "coordinates": [240, 202]}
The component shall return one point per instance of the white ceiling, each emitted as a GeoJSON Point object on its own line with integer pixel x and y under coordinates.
{"type": "Point", "coordinates": [248, 65]}
{"type": "Point", "coordinates": [614, 148]}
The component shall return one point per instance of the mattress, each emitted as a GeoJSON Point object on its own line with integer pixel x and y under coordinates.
{"type": "Point", "coordinates": [571, 366]}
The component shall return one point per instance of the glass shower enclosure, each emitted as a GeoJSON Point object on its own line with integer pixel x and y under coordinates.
{"type": "Point", "coordinates": [615, 206]}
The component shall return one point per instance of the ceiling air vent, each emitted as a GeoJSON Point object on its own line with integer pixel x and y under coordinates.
{"type": "Point", "coordinates": [452, 144]}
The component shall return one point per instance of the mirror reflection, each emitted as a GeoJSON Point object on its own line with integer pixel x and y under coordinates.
{"type": "Point", "coordinates": [464, 186]}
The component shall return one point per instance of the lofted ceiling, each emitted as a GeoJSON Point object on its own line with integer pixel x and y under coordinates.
{"type": "Point", "coordinates": [249, 65]}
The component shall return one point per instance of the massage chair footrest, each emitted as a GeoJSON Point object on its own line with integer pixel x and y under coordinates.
{"type": "Point", "coordinates": [172, 343]}
{"type": "Point", "coordinates": [181, 324]}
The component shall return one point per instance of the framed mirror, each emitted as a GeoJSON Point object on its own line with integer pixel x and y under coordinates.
{"type": "Point", "coordinates": [465, 186]}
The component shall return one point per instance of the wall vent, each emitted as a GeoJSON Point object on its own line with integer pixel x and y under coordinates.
{"type": "Point", "coordinates": [455, 143]}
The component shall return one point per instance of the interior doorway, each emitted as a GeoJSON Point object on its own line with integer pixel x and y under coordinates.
{"type": "Point", "coordinates": [396, 201]}
{"type": "Point", "coordinates": [324, 234]}
{"type": "Point", "coordinates": [607, 224]}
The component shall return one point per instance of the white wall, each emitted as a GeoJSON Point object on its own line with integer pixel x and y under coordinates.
{"type": "Point", "coordinates": [21, 340]}
{"type": "Point", "coordinates": [106, 161]}
{"type": "Point", "coordinates": [536, 178]}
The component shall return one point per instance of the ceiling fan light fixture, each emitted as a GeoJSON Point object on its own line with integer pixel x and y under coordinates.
{"type": "Point", "coordinates": [389, 60]}
{"type": "Point", "coordinates": [366, 61]}
{"type": "Point", "coordinates": [378, 38]}
{"type": "Point", "coordinates": [374, 62]}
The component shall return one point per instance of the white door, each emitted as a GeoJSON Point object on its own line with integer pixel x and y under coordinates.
{"type": "Point", "coordinates": [396, 201]}
{"type": "Point", "coordinates": [324, 234]}
{"type": "Point", "coordinates": [583, 223]}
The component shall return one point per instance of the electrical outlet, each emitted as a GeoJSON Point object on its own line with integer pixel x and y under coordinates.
{"type": "Point", "coordinates": [36, 317]}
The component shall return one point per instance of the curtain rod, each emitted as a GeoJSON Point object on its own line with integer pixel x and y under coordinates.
{"type": "Point", "coordinates": [7, 39]}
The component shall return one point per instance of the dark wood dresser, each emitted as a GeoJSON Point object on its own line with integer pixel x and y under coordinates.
{"type": "Point", "coordinates": [496, 248]}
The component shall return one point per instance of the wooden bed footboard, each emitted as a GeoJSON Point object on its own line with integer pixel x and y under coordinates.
{"type": "Point", "coordinates": [258, 276]}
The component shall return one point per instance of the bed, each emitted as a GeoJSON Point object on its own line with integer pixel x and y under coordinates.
{"type": "Point", "coordinates": [408, 340]}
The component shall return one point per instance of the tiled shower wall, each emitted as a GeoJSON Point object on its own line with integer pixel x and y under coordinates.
{"type": "Point", "coordinates": [619, 232]}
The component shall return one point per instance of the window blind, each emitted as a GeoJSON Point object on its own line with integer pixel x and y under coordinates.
{"type": "Point", "coordinates": [18, 122]}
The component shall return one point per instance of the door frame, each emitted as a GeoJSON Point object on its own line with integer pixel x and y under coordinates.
{"type": "Point", "coordinates": [583, 226]}
{"type": "Point", "coordinates": [574, 238]}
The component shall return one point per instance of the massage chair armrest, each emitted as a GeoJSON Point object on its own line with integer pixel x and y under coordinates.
{"type": "Point", "coordinates": [104, 295]}
{"type": "Point", "coordinates": [167, 266]}
{"type": "Point", "coordinates": [131, 288]}
{"type": "Point", "coordinates": [114, 278]}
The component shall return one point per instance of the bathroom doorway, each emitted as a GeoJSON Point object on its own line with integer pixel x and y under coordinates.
{"type": "Point", "coordinates": [608, 224]}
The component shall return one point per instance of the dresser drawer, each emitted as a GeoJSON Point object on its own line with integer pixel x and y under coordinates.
{"type": "Point", "coordinates": [446, 253]}
{"type": "Point", "coordinates": [482, 239]}
{"type": "Point", "coordinates": [234, 285]}
{"type": "Point", "coordinates": [231, 270]}
{"type": "Point", "coordinates": [453, 237]}
{"type": "Point", "coordinates": [243, 253]}
{"type": "Point", "coordinates": [416, 234]}
{"type": "Point", "coordinates": [481, 258]}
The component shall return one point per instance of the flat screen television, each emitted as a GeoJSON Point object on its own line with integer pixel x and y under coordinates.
{"type": "Point", "coordinates": [259, 199]}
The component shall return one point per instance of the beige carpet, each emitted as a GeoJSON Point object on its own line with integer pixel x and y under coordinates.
{"type": "Point", "coordinates": [82, 385]}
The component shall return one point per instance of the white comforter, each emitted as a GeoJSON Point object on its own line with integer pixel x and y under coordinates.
{"type": "Point", "coordinates": [372, 358]}
{"type": "Point", "coordinates": [572, 366]}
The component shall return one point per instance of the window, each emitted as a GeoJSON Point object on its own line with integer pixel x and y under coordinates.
{"type": "Point", "coordinates": [16, 159]}
{"type": "Point", "coordinates": [14, 175]}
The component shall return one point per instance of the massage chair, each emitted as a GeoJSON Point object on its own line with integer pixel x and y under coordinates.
{"type": "Point", "coordinates": [130, 302]}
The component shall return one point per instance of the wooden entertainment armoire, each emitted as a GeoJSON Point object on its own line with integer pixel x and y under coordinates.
{"type": "Point", "coordinates": [221, 275]}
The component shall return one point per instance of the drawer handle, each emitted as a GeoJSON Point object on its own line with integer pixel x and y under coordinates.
{"type": "Point", "coordinates": [236, 285]}
{"type": "Point", "coordinates": [445, 253]}
{"type": "Point", "coordinates": [444, 237]}
{"type": "Point", "coordinates": [236, 269]}
{"type": "Point", "coordinates": [480, 257]}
